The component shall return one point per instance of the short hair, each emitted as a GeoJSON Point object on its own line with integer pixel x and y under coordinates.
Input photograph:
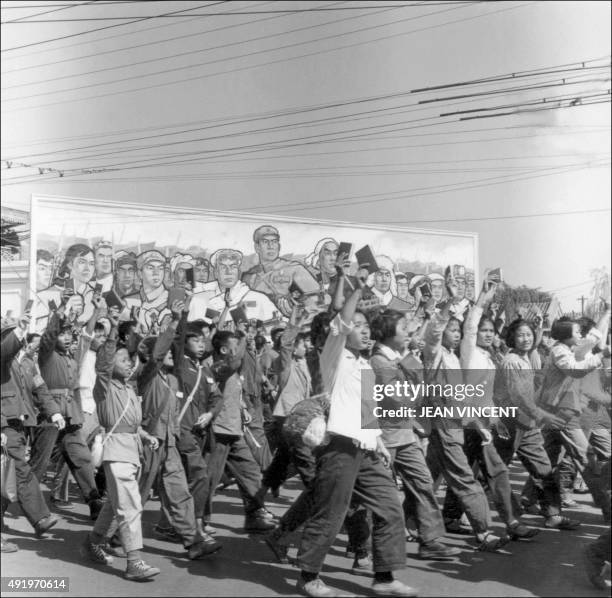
{"type": "Point", "coordinates": [562, 328]}
{"type": "Point", "coordinates": [193, 330]}
{"type": "Point", "coordinates": [44, 255]}
{"type": "Point", "coordinates": [30, 336]}
{"type": "Point", "coordinates": [454, 319]}
{"type": "Point", "coordinates": [124, 328]}
{"type": "Point", "coordinates": [484, 319]}
{"type": "Point", "coordinates": [513, 328]}
{"type": "Point", "coordinates": [260, 342]}
{"type": "Point", "coordinates": [319, 328]}
{"type": "Point", "coordinates": [221, 339]}
{"type": "Point", "coordinates": [145, 348]}
{"type": "Point", "coordinates": [384, 324]}
{"type": "Point", "coordinates": [300, 338]}
{"type": "Point", "coordinates": [586, 325]}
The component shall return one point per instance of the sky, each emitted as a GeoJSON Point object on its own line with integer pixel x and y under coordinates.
{"type": "Point", "coordinates": [253, 106]}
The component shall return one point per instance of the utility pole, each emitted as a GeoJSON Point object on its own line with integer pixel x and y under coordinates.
{"type": "Point", "coordinates": [582, 299]}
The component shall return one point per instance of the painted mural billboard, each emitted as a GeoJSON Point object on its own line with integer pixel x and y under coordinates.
{"type": "Point", "coordinates": [140, 255]}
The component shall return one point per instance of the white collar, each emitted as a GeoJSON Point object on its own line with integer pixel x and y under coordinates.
{"type": "Point", "coordinates": [385, 298]}
{"type": "Point", "coordinates": [389, 353]}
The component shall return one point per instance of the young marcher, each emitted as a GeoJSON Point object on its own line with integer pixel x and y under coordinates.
{"type": "Point", "coordinates": [60, 372]}
{"type": "Point", "coordinates": [228, 446]}
{"type": "Point", "coordinates": [355, 461]}
{"type": "Point", "coordinates": [445, 454]}
{"type": "Point", "coordinates": [479, 369]}
{"type": "Point", "coordinates": [390, 365]}
{"type": "Point", "coordinates": [517, 388]}
{"type": "Point", "coordinates": [160, 406]}
{"type": "Point", "coordinates": [29, 495]}
{"type": "Point", "coordinates": [120, 414]}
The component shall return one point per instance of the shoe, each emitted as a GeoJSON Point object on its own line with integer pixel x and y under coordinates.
{"type": "Point", "coordinates": [520, 531]}
{"type": "Point", "coordinates": [560, 522]}
{"type": "Point", "coordinates": [140, 571]}
{"type": "Point", "coordinates": [393, 588]}
{"type": "Point", "coordinates": [263, 512]}
{"type": "Point", "coordinates": [491, 543]}
{"type": "Point", "coordinates": [280, 550]}
{"type": "Point", "coordinates": [275, 492]}
{"type": "Point", "coordinates": [209, 529]}
{"type": "Point", "coordinates": [45, 524]}
{"type": "Point", "coordinates": [169, 534]}
{"type": "Point", "coordinates": [96, 552]}
{"type": "Point", "coordinates": [569, 503]}
{"type": "Point", "coordinates": [350, 552]}
{"type": "Point", "coordinates": [580, 487]}
{"type": "Point", "coordinates": [95, 506]}
{"type": "Point", "coordinates": [593, 568]}
{"type": "Point", "coordinates": [8, 546]}
{"type": "Point", "coordinates": [316, 588]}
{"type": "Point", "coordinates": [61, 504]}
{"type": "Point", "coordinates": [453, 526]}
{"type": "Point", "coordinates": [205, 546]}
{"type": "Point", "coordinates": [530, 508]}
{"type": "Point", "coordinates": [113, 550]}
{"type": "Point", "coordinates": [256, 523]}
{"type": "Point", "coordinates": [362, 566]}
{"type": "Point", "coordinates": [436, 551]}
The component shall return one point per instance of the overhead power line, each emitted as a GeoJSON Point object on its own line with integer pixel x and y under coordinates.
{"type": "Point", "coordinates": [71, 35]}
{"type": "Point", "coordinates": [277, 61]}
{"type": "Point", "coordinates": [249, 12]}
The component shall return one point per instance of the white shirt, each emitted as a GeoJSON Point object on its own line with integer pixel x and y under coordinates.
{"type": "Point", "coordinates": [341, 376]}
{"type": "Point", "coordinates": [257, 306]}
{"type": "Point", "coordinates": [384, 298]}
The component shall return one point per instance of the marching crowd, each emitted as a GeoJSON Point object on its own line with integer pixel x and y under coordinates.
{"type": "Point", "coordinates": [182, 412]}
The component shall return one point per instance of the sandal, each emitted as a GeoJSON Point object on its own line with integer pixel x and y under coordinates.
{"type": "Point", "coordinates": [492, 543]}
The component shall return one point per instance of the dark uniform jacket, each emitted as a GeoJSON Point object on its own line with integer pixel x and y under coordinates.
{"type": "Point", "coordinates": [33, 390]}
{"type": "Point", "coordinates": [60, 373]}
{"type": "Point", "coordinates": [12, 402]}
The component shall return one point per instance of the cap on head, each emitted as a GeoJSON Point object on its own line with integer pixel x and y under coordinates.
{"type": "Point", "coordinates": [435, 276]}
{"type": "Point", "coordinates": [232, 255]}
{"type": "Point", "coordinates": [125, 258]}
{"type": "Point", "coordinates": [265, 231]}
{"type": "Point", "coordinates": [149, 257]}
{"type": "Point", "coordinates": [102, 243]}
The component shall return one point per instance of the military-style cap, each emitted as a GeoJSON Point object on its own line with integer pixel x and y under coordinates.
{"type": "Point", "coordinates": [226, 254]}
{"type": "Point", "coordinates": [125, 258]}
{"type": "Point", "coordinates": [265, 231]}
{"type": "Point", "coordinates": [435, 276]}
{"type": "Point", "coordinates": [102, 243]}
{"type": "Point", "coordinates": [150, 256]}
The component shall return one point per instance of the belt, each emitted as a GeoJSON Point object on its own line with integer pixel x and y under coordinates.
{"type": "Point", "coordinates": [66, 392]}
{"type": "Point", "coordinates": [125, 429]}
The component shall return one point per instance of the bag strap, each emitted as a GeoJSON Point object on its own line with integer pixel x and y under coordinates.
{"type": "Point", "coordinates": [191, 394]}
{"type": "Point", "coordinates": [127, 404]}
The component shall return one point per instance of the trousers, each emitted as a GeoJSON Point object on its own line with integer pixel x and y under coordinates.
{"type": "Point", "coordinates": [176, 501]}
{"type": "Point", "coordinates": [122, 512]}
{"type": "Point", "coordinates": [420, 501]}
{"type": "Point", "coordinates": [343, 469]}
{"type": "Point", "coordinates": [446, 457]}
{"type": "Point", "coordinates": [29, 495]}
{"type": "Point", "coordinates": [494, 473]}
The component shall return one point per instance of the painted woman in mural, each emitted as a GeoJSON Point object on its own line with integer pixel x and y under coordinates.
{"type": "Point", "coordinates": [73, 278]}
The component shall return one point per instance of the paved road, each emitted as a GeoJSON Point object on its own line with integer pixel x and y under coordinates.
{"type": "Point", "coordinates": [548, 566]}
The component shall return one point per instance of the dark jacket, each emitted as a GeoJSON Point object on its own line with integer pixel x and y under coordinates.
{"type": "Point", "coordinates": [60, 373]}
{"type": "Point", "coordinates": [12, 402]}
